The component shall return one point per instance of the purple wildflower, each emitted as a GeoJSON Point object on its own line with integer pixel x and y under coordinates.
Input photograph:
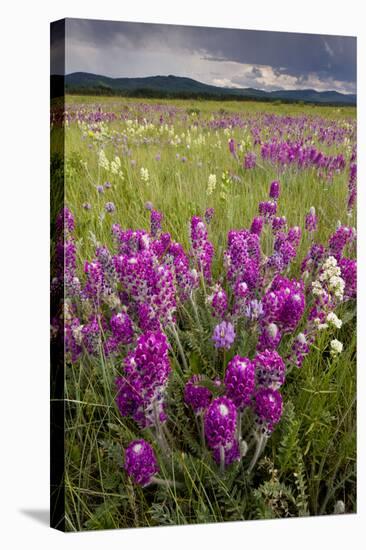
{"type": "Point", "coordinates": [300, 348]}
{"type": "Point", "coordinates": [196, 395]}
{"type": "Point", "coordinates": [142, 390]}
{"type": "Point", "coordinates": [110, 207]}
{"type": "Point", "coordinates": [140, 462]}
{"type": "Point", "coordinates": [232, 147]}
{"type": "Point", "coordinates": [250, 160]}
{"type": "Point", "coordinates": [349, 275]}
{"type": "Point", "coordinates": [268, 409]}
{"type": "Point", "coordinates": [220, 422]}
{"type": "Point", "coordinates": [269, 369]}
{"type": "Point", "coordinates": [267, 209]}
{"type": "Point", "coordinates": [209, 213]}
{"type": "Point", "coordinates": [257, 225]}
{"type": "Point", "coordinates": [240, 381]}
{"type": "Point", "coordinates": [218, 301]}
{"type": "Point", "coordinates": [155, 222]}
{"type": "Point", "coordinates": [274, 190]}
{"type": "Point", "coordinates": [269, 338]}
{"type": "Point", "coordinates": [224, 335]}
{"type": "Point", "coordinates": [202, 248]}
{"type": "Point", "coordinates": [232, 453]}
{"type": "Point", "coordinates": [311, 221]}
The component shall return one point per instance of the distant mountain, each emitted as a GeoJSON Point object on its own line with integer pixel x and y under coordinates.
{"type": "Point", "coordinates": [178, 86]}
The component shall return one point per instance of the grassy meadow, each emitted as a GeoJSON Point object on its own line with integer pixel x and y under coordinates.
{"type": "Point", "coordinates": [168, 152]}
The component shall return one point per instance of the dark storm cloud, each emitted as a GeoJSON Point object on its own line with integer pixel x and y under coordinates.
{"type": "Point", "coordinates": [329, 58]}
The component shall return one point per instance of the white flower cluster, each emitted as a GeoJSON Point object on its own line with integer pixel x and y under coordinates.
{"type": "Point", "coordinates": [334, 320]}
{"type": "Point", "coordinates": [211, 184]}
{"type": "Point", "coordinates": [330, 281]}
{"type": "Point", "coordinates": [336, 347]}
{"type": "Point", "coordinates": [144, 174]}
{"type": "Point", "coordinates": [103, 161]}
{"type": "Point", "coordinates": [116, 167]}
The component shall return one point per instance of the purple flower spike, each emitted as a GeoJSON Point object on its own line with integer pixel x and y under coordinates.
{"type": "Point", "coordinates": [65, 222]}
{"type": "Point", "coordinates": [156, 218]}
{"type": "Point", "coordinates": [257, 225]}
{"type": "Point", "coordinates": [140, 462]}
{"type": "Point", "coordinates": [311, 220]}
{"type": "Point", "coordinates": [269, 337]}
{"type": "Point", "coordinates": [240, 381]}
{"type": "Point", "coordinates": [220, 422]}
{"type": "Point", "coordinates": [269, 369]}
{"type": "Point", "coordinates": [268, 409]}
{"type": "Point", "coordinates": [198, 397]}
{"type": "Point", "coordinates": [218, 301]}
{"type": "Point", "coordinates": [250, 160]}
{"type": "Point", "coordinates": [274, 190]}
{"type": "Point", "coordinates": [209, 215]}
{"type": "Point", "coordinates": [232, 453]}
{"type": "Point", "coordinates": [224, 335]}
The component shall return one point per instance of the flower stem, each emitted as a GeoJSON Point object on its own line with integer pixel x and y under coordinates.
{"type": "Point", "coordinates": [180, 348]}
{"type": "Point", "coordinates": [261, 443]}
{"type": "Point", "coordinates": [166, 482]}
{"type": "Point", "coordinates": [222, 459]}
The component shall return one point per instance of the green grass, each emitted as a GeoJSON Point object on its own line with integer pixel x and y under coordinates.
{"type": "Point", "coordinates": [310, 461]}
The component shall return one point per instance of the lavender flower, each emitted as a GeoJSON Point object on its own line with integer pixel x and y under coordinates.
{"type": "Point", "coordinates": [209, 213]}
{"type": "Point", "coordinates": [224, 335]}
{"type": "Point", "coordinates": [141, 392]}
{"type": "Point", "coordinates": [300, 348]}
{"type": "Point", "coordinates": [257, 225]}
{"type": "Point", "coordinates": [231, 451]}
{"type": "Point", "coordinates": [311, 221]}
{"type": "Point", "coordinates": [140, 462]}
{"type": "Point", "coordinates": [218, 301]}
{"type": "Point", "coordinates": [269, 369]}
{"type": "Point", "coordinates": [202, 248]}
{"type": "Point", "coordinates": [268, 409]}
{"type": "Point", "coordinates": [250, 161]}
{"type": "Point", "coordinates": [284, 303]}
{"type": "Point", "coordinates": [349, 275]}
{"type": "Point", "coordinates": [240, 381]}
{"type": "Point", "coordinates": [155, 222]}
{"type": "Point", "coordinates": [269, 338]}
{"type": "Point", "coordinates": [110, 207]}
{"type": "Point", "coordinates": [267, 210]}
{"type": "Point", "coordinates": [274, 190]}
{"type": "Point", "coordinates": [196, 395]}
{"type": "Point", "coordinates": [220, 422]}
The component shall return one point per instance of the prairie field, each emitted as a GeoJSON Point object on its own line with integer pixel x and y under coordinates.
{"type": "Point", "coordinates": [205, 265]}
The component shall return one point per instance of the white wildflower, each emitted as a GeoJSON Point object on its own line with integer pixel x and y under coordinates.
{"type": "Point", "coordinates": [211, 184]}
{"type": "Point", "coordinates": [103, 161]}
{"type": "Point", "coordinates": [336, 347]}
{"type": "Point", "coordinates": [144, 174]}
{"type": "Point", "coordinates": [334, 320]}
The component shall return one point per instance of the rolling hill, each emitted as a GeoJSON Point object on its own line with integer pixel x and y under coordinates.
{"type": "Point", "coordinates": [178, 86]}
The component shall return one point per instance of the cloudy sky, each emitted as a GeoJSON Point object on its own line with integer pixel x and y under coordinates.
{"type": "Point", "coordinates": [223, 57]}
